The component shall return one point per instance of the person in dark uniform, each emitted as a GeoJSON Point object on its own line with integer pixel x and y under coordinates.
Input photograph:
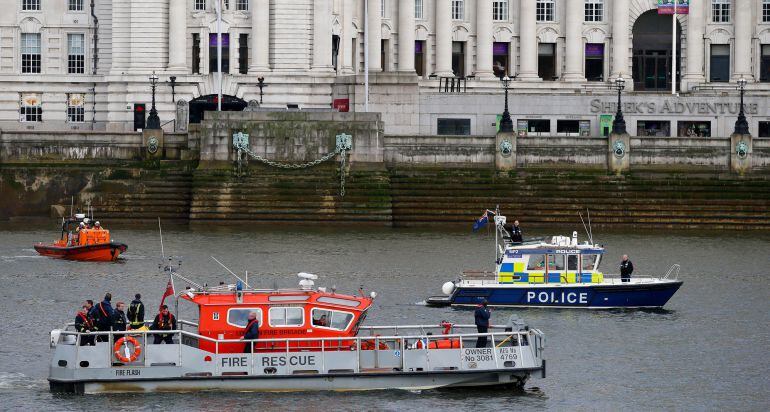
{"type": "Point", "coordinates": [119, 321]}
{"type": "Point", "coordinates": [164, 321]}
{"type": "Point", "coordinates": [84, 325]}
{"type": "Point", "coordinates": [626, 269]}
{"type": "Point", "coordinates": [515, 232]}
{"type": "Point", "coordinates": [481, 317]}
{"type": "Point", "coordinates": [101, 314]}
{"type": "Point", "coordinates": [136, 312]}
{"type": "Point", "coordinates": [251, 332]}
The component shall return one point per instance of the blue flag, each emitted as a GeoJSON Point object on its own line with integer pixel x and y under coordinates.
{"type": "Point", "coordinates": [481, 222]}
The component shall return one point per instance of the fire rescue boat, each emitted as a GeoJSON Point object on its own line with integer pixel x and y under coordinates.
{"type": "Point", "coordinates": [85, 243]}
{"type": "Point", "coordinates": [310, 339]}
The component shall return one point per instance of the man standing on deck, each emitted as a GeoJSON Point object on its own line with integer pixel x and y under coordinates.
{"type": "Point", "coordinates": [164, 321]}
{"type": "Point", "coordinates": [84, 325]}
{"type": "Point", "coordinates": [515, 231]}
{"type": "Point", "coordinates": [101, 314]}
{"type": "Point", "coordinates": [136, 312]}
{"type": "Point", "coordinates": [481, 316]}
{"type": "Point", "coordinates": [626, 269]}
{"type": "Point", "coordinates": [251, 332]}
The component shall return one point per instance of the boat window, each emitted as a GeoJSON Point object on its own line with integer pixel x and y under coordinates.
{"type": "Point", "coordinates": [555, 262]}
{"type": "Point", "coordinates": [284, 298]}
{"type": "Point", "coordinates": [332, 319]}
{"type": "Point", "coordinates": [286, 316]}
{"type": "Point", "coordinates": [339, 301]}
{"type": "Point", "coordinates": [572, 262]}
{"type": "Point", "coordinates": [536, 262]}
{"type": "Point", "coordinates": [588, 262]}
{"type": "Point", "coordinates": [240, 316]}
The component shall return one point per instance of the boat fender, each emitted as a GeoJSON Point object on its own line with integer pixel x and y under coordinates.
{"type": "Point", "coordinates": [130, 358]}
{"type": "Point", "coordinates": [448, 288]}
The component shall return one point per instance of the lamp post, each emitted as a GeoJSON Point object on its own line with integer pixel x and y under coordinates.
{"type": "Point", "coordinates": [741, 125]}
{"type": "Point", "coordinates": [153, 121]}
{"type": "Point", "coordinates": [506, 124]}
{"type": "Point", "coordinates": [619, 124]}
{"type": "Point", "coordinates": [261, 84]}
{"type": "Point", "coordinates": [172, 80]}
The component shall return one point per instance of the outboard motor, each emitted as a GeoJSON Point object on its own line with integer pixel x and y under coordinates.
{"type": "Point", "coordinates": [516, 324]}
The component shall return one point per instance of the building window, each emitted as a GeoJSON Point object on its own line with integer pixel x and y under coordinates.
{"type": "Point", "coordinates": [30, 5]}
{"type": "Point", "coordinates": [764, 64]}
{"type": "Point", "coordinates": [544, 10]}
{"type": "Point", "coordinates": [546, 61]}
{"type": "Point", "coordinates": [335, 51]}
{"type": "Point", "coordinates": [694, 129]}
{"type": "Point", "coordinates": [30, 52]}
{"type": "Point", "coordinates": [500, 59]}
{"type": "Point", "coordinates": [765, 11]}
{"type": "Point", "coordinates": [419, 57]}
{"type": "Point", "coordinates": [31, 109]}
{"type": "Point", "coordinates": [594, 10]}
{"type": "Point", "coordinates": [196, 53]}
{"type": "Point", "coordinates": [458, 10]}
{"type": "Point", "coordinates": [720, 63]}
{"type": "Point", "coordinates": [458, 58]}
{"type": "Point", "coordinates": [595, 62]}
{"type": "Point", "coordinates": [720, 11]}
{"type": "Point", "coordinates": [653, 128]}
{"type": "Point", "coordinates": [243, 53]}
{"type": "Point", "coordinates": [200, 5]}
{"type": "Point", "coordinates": [76, 108]}
{"type": "Point", "coordinates": [454, 127]}
{"type": "Point", "coordinates": [500, 10]}
{"type": "Point", "coordinates": [418, 9]}
{"type": "Point", "coordinates": [539, 126]}
{"type": "Point", "coordinates": [568, 127]}
{"type": "Point", "coordinates": [213, 53]}
{"type": "Point", "coordinates": [75, 5]}
{"type": "Point", "coordinates": [764, 129]}
{"type": "Point", "coordinates": [77, 54]}
{"type": "Point", "coordinates": [242, 5]}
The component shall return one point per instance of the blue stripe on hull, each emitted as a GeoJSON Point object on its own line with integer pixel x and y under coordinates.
{"type": "Point", "coordinates": [598, 296]}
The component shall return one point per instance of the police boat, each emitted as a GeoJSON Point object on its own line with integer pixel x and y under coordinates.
{"type": "Point", "coordinates": [310, 339]}
{"type": "Point", "coordinates": [556, 273]}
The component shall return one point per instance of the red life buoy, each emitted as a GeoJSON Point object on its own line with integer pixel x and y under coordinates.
{"type": "Point", "coordinates": [119, 344]}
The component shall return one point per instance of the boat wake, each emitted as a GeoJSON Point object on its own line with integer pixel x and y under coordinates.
{"type": "Point", "coordinates": [15, 380]}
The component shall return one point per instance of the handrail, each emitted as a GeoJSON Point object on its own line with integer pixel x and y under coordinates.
{"type": "Point", "coordinates": [673, 269]}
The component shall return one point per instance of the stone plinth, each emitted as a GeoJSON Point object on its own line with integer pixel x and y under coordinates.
{"type": "Point", "coordinates": [741, 149]}
{"type": "Point", "coordinates": [619, 153]}
{"type": "Point", "coordinates": [505, 151]}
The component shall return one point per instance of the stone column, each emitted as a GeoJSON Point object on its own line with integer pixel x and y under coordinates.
{"type": "Point", "coordinates": [484, 39]}
{"type": "Point", "coordinates": [322, 35]}
{"type": "Point", "coordinates": [743, 27]}
{"type": "Point", "coordinates": [406, 36]}
{"type": "Point", "coordinates": [527, 41]}
{"type": "Point", "coordinates": [620, 37]}
{"type": "Point", "coordinates": [347, 37]}
{"type": "Point", "coordinates": [573, 71]}
{"type": "Point", "coordinates": [696, 26]}
{"type": "Point", "coordinates": [374, 26]}
{"type": "Point", "coordinates": [260, 36]}
{"type": "Point", "coordinates": [443, 29]}
{"type": "Point", "coordinates": [177, 35]}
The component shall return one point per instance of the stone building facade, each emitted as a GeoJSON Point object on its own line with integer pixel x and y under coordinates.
{"type": "Point", "coordinates": [434, 64]}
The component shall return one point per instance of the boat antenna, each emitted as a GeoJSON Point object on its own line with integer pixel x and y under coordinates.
{"type": "Point", "coordinates": [584, 226]}
{"type": "Point", "coordinates": [231, 272]}
{"type": "Point", "coordinates": [72, 206]}
{"type": "Point", "coordinates": [186, 280]}
{"type": "Point", "coordinates": [590, 229]}
{"type": "Point", "coordinates": [160, 232]}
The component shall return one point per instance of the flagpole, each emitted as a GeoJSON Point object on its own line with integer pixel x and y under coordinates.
{"type": "Point", "coordinates": [219, 55]}
{"type": "Point", "coordinates": [673, 51]}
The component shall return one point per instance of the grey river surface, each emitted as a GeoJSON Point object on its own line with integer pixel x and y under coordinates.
{"type": "Point", "coordinates": [710, 348]}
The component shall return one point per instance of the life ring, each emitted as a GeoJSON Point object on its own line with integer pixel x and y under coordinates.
{"type": "Point", "coordinates": [119, 344]}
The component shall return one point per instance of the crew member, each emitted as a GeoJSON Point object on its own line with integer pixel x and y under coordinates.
{"type": "Point", "coordinates": [76, 238]}
{"type": "Point", "coordinates": [119, 320]}
{"type": "Point", "coordinates": [251, 332]}
{"type": "Point", "coordinates": [84, 325]}
{"type": "Point", "coordinates": [481, 317]}
{"type": "Point", "coordinates": [136, 312]}
{"type": "Point", "coordinates": [97, 226]}
{"type": "Point", "coordinates": [626, 269]}
{"type": "Point", "coordinates": [102, 315]}
{"type": "Point", "coordinates": [164, 321]}
{"type": "Point", "coordinates": [515, 232]}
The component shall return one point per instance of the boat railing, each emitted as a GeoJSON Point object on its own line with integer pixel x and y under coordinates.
{"type": "Point", "coordinates": [356, 354]}
{"type": "Point", "coordinates": [672, 272]}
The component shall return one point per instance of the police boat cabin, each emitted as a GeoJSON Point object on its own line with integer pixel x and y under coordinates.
{"type": "Point", "coordinates": [308, 339]}
{"type": "Point", "coordinates": [556, 272]}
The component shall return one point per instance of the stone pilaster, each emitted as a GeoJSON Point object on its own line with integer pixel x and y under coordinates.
{"type": "Point", "coordinates": [527, 41]}
{"type": "Point", "coordinates": [322, 35]}
{"type": "Point", "coordinates": [618, 154]}
{"type": "Point", "coordinates": [743, 26]}
{"type": "Point", "coordinates": [573, 71]}
{"type": "Point", "coordinates": [406, 36]}
{"type": "Point", "coordinates": [484, 39]}
{"type": "Point", "coordinates": [346, 52]}
{"type": "Point", "coordinates": [177, 35]}
{"type": "Point", "coordinates": [260, 36]}
{"type": "Point", "coordinates": [696, 26]}
{"type": "Point", "coordinates": [444, 37]}
{"type": "Point", "coordinates": [505, 151]}
{"type": "Point", "coordinates": [374, 27]}
{"type": "Point", "coordinates": [620, 35]}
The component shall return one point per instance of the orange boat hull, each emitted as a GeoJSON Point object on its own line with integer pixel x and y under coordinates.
{"type": "Point", "coordinates": [101, 252]}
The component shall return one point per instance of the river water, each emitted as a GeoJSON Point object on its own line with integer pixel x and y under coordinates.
{"type": "Point", "coordinates": [710, 348]}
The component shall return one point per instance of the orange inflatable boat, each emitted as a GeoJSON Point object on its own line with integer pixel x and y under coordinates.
{"type": "Point", "coordinates": [82, 239]}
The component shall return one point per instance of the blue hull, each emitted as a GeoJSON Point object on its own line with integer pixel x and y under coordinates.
{"type": "Point", "coordinates": [589, 296]}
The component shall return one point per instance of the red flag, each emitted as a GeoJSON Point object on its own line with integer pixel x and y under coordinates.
{"type": "Point", "coordinates": [169, 292]}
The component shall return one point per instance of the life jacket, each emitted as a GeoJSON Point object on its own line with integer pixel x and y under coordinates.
{"type": "Point", "coordinates": [164, 322]}
{"type": "Point", "coordinates": [86, 322]}
{"type": "Point", "coordinates": [133, 314]}
{"type": "Point", "coordinates": [248, 327]}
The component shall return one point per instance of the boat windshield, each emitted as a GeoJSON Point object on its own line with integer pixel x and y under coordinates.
{"type": "Point", "coordinates": [536, 262]}
{"type": "Point", "coordinates": [589, 261]}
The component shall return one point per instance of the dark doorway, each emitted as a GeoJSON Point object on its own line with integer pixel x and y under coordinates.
{"type": "Point", "coordinates": [653, 52]}
{"type": "Point", "coordinates": [209, 104]}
